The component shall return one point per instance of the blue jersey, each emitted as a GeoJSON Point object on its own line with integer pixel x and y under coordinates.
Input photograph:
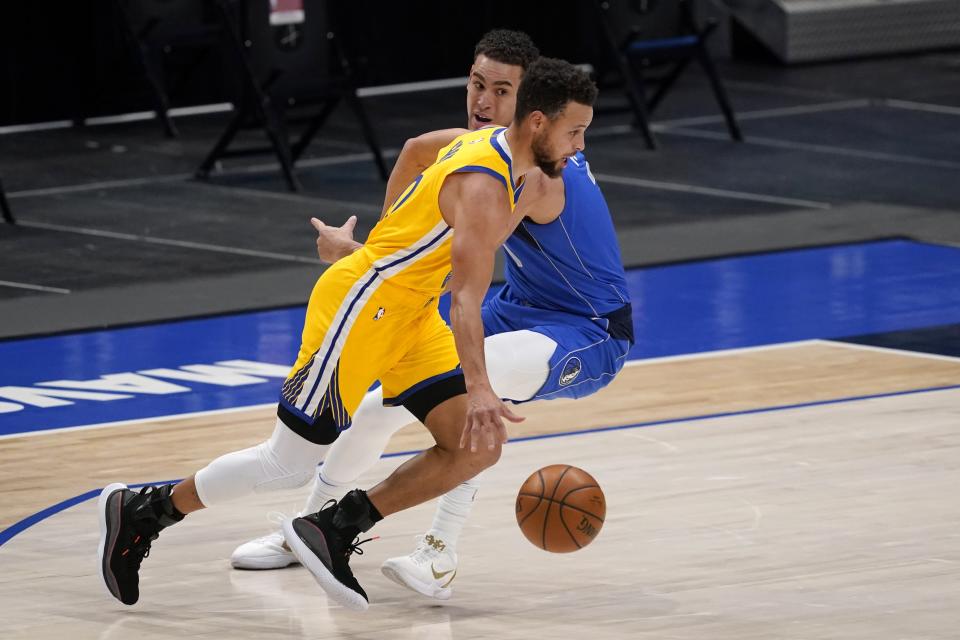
{"type": "Point", "coordinates": [572, 264]}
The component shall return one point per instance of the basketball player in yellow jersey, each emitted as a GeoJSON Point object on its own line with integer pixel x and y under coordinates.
{"type": "Point", "coordinates": [373, 315]}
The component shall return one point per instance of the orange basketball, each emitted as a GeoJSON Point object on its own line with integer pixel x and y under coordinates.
{"type": "Point", "coordinates": [561, 508]}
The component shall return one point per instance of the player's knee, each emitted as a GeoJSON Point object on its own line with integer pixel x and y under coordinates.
{"type": "Point", "coordinates": [282, 471]}
{"type": "Point", "coordinates": [492, 456]}
{"type": "Point", "coordinates": [286, 460]}
{"type": "Point", "coordinates": [476, 461]}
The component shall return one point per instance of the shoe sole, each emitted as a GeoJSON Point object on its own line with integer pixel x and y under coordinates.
{"type": "Point", "coordinates": [108, 537]}
{"type": "Point", "coordinates": [327, 581]}
{"type": "Point", "coordinates": [425, 589]}
{"type": "Point", "coordinates": [264, 564]}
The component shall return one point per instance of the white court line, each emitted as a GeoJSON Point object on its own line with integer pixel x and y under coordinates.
{"type": "Point", "coordinates": [176, 112]}
{"type": "Point", "coordinates": [761, 87]}
{"type": "Point", "coordinates": [120, 117]}
{"type": "Point", "coordinates": [36, 126]}
{"type": "Point", "coordinates": [703, 355]}
{"type": "Point", "coordinates": [630, 363]}
{"type": "Point", "coordinates": [922, 106]}
{"type": "Point", "coordinates": [709, 191]}
{"type": "Point", "coordinates": [346, 158]}
{"type": "Point", "coordinates": [33, 287]}
{"type": "Point", "coordinates": [222, 107]}
{"type": "Point", "coordinates": [817, 148]}
{"type": "Point", "coordinates": [287, 196]}
{"type": "Point", "coordinates": [150, 420]}
{"type": "Point", "coordinates": [410, 87]}
{"type": "Point", "coordinates": [661, 126]}
{"type": "Point", "coordinates": [95, 186]}
{"type": "Point", "coordinates": [425, 85]}
{"type": "Point", "coordinates": [184, 244]}
{"type": "Point", "coordinates": [761, 114]}
{"type": "Point", "coordinates": [139, 421]}
{"type": "Point", "coordinates": [893, 351]}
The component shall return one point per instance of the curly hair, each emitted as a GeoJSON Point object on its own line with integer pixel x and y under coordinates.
{"type": "Point", "coordinates": [508, 47]}
{"type": "Point", "coordinates": [549, 84]}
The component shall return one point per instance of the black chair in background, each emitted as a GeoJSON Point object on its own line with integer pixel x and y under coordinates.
{"type": "Point", "coordinates": [628, 28]}
{"type": "Point", "coordinates": [169, 40]}
{"type": "Point", "coordinates": [296, 73]}
{"type": "Point", "coordinates": [5, 207]}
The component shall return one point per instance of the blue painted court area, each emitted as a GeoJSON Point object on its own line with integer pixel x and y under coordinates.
{"type": "Point", "coordinates": [239, 360]}
{"type": "Point", "coordinates": [828, 292]}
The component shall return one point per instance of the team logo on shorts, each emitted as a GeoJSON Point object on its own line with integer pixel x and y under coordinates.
{"type": "Point", "coordinates": [570, 371]}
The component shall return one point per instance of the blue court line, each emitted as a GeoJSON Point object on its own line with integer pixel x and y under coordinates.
{"type": "Point", "coordinates": [40, 516]}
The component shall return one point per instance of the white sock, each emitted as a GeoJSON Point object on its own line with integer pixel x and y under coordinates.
{"type": "Point", "coordinates": [357, 449]}
{"type": "Point", "coordinates": [452, 513]}
{"type": "Point", "coordinates": [323, 491]}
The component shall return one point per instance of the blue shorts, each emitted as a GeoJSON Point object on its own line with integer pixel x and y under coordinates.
{"type": "Point", "coordinates": [586, 359]}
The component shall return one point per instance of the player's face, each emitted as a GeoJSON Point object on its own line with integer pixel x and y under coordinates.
{"type": "Point", "coordinates": [556, 140]}
{"type": "Point", "coordinates": [492, 92]}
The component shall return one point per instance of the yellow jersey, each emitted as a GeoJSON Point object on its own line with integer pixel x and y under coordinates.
{"type": "Point", "coordinates": [410, 246]}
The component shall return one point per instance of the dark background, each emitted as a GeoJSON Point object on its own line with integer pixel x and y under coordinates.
{"type": "Point", "coordinates": [71, 59]}
{"type": "Point", "coordinates": [114, 228]}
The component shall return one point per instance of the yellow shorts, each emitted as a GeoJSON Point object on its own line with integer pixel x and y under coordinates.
{"type": "Point", "coordinates": [361, 328]}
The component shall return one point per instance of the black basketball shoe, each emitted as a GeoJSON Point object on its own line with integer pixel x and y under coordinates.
{"type": "Point", "coordinates": [324, 548]}
{"type": "Point", "coordinates": [129, 523]}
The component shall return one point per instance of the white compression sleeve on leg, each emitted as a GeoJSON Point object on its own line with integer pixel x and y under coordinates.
{"type": "Point", "coordinates": [285, 461]}
{"type": "Point", "coordinates": [357, 449]}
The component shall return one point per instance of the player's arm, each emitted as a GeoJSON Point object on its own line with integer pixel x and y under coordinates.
{"type": "Point", "coordinates": [417, 154]}
{"type": "Point", "coordinates": [475, 204]}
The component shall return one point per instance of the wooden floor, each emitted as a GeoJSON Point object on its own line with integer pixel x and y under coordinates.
{"type": "Point", "coordinates": [834, 520]}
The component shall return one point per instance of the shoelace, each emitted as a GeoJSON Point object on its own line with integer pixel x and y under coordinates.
{"type": "Point", "coordinates": [424, 553]}
{"type": "Point", "coordinates": [350, 547]}
{"type": "Point", "coordinates": [140, 546]}
{"type": "Point", "coordinates": [276, 519]}
{"type": "Point", "coordinates": [354, 547]}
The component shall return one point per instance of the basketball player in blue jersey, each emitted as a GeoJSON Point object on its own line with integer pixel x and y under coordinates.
{"type": "Point", "coordinates": [373, 316]}
{"type": "Point", "coordinates": [560, 327]}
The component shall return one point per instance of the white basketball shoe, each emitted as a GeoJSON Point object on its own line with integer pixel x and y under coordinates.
{"type": "Point", "coordinates": [428, 570]}
{"type": "Point", "coordinates": [265, 552]}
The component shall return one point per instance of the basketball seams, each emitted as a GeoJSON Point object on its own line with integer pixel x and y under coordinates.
{"type": "Point", "coordinates": [564, 504]}
{"type": "Point", "coordinates": [564, 523]}
{"type": "Point", "coordinates": [546, 518]}
{"type": "Point", "coordinates": [563, 500]}
{"type": "Point", "coordinates": [531, 512]}
{"type": "Point", "coordinates": [575, 489]}
{"type": "Point", "coordinates": [531, 495]}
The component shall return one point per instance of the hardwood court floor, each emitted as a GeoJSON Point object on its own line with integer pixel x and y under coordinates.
{"type": "Point", "coordinates": [819, 521]}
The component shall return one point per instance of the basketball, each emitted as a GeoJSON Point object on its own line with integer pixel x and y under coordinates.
{"type": "Point", "coordinates": [561, 508]}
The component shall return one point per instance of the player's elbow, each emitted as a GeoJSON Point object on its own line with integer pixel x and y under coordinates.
{"type": "Point", "coordinates": [416, 152]}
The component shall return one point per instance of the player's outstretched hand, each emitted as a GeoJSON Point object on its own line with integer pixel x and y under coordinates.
{"type": "Point", "coordinates": [485, 414]}
{"type": "Point", "coordinates": [334, 243]}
